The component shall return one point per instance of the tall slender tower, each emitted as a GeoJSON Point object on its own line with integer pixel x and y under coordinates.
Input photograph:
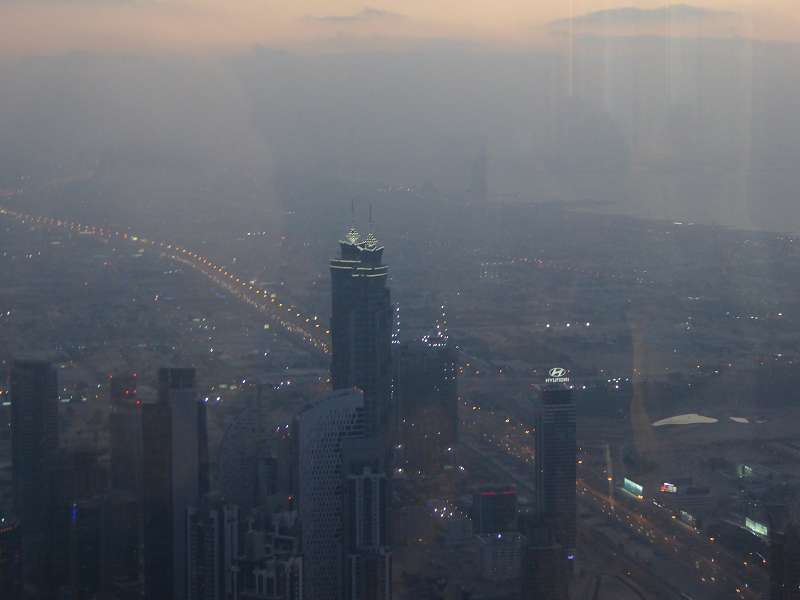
{"type": "Point", "coordinates": [174, 455]}
{"type": "Point", "coordinates": [34, 448]}
{"type": "Point", "coordinates": [555, 464]}
{"type": "Point", "coordinates": [361, 326]}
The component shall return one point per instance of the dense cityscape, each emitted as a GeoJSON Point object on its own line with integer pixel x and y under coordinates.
{"type": "Point", "coordinates": [434, 467]}
{"type": "Point", "coordinates": [405, 300]}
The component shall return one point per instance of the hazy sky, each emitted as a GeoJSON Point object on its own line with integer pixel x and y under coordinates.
{"type": "Point", "coordinates": [47, 26]}
{"type": "Point", "coordinates": [672, 113]}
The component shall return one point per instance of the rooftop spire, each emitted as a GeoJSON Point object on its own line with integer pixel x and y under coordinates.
{"type": "Point", "coordinates": [372, 239]}
{"type": "Point", "coordinates": [352, 234]}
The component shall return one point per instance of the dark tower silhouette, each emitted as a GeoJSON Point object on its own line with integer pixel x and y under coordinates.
{"type": "Point", "coordinates": [362, 319]}
{"type": "Point", "coordinates": [784, 563]}
{"type": "Point", "coordinates": [174, 456]}
{"type": "Point", "coordinates": [555, 464]}
{"type": "Point", "coordinates": [10, 559]}
{"type": "Point", "coordinates": [543, 568]}
{"type": "Point", "coordinates": [426, 397]}
{"type": "Point", "coordinates": [34, 449]}
{"type": "Point", "coordinates": [367, 557]}
{"type": "Point", "coordinates": [361, 326]}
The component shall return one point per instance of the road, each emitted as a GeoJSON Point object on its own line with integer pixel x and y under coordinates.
{"type": "Point", "coordinates": [307, 329]}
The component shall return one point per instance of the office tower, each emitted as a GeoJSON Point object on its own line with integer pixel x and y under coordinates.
{"type": "Point", "coordinates": [157, 500]}
{"type": "Point", "coordinates": [543, 569]}
{"type": "Point", "coordinates": [10, 559]}
{"type": "Point", "coordinates": [34, 448]}
{"type": "Point", "coordinates": [320, 431]}
{"type": "Point", "coordinates": [367, 558]}
{"type": "Point", "coordinates": [556, 462]}
{"type": "Point", "coordinates": [85, 546]}
{"type": "Point", "coordinates": [271, 564]}
{"type": "Point", "coordinates": [247, 469]}
{"type": "Point", "coordinates": [426, 393]}
{"type": "Point", "coordinates": [174, 453]}
{"type": "Point", "coordinates": [784, 563]}
{"type": "Point", "coordinates": [494, 510]}
{"type": "Point", "coordinates": [213, 547]}
{"type": "Point", "coordinates": [125, 429]}
{"type": "Point", "coordinates": [361, 326]}
{"type": "Point", "coordinates": [79, 475]}
{"type": "Point", "coordinates": [120, 542]}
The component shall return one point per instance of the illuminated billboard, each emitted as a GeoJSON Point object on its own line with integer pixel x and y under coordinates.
{"type": "Point", "coordinates": [668, 488]}
{"type": "Point", "coordinates": [633, 487]}
{"type": "Point", "coordinates": [756, 527]}
{"type": "Point", "coordinates": [557, 375]}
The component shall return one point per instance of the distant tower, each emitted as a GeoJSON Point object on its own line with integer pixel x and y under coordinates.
{"type": "Point", "coordinates": [361, 326]}
{"type": "Point", "coordinates": [34, 449]}
{"type": "Point", "coordinates": [320, 433]}
{"type": "Point", "coordinates": [174, 456]}
{"type": "Point", "coordinates": [479, 177]}
{"type": "Point", "coordinates": [556, 453]}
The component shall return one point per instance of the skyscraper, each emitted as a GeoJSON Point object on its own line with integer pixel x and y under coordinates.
{"type": "Point", "coordinates": [784, 563]}
{"type": "Point", "coordinates": [10, 559]}
{"type": "Point", "coordinates": [120, 542]}
{"type": "Point", "coordinates": [123, 506]}
{"type": "Point", "coordinates": [320, 431]}
{"type": "Point", "coordinates": [543, 573]}
{"type": "Point", "coordinates": [361, 326]}
{"type": "Point", "coordinates": [213, 546]}
{"type": "Point", "coordinates": [426, 393]}
{"type": "Point", "coordinates": [367, 558]}
{"type": "Point", "coordinates": [174, 455]}
{"type": "Point", "coordinates": [556, 463]}
{"type": "Point", "coordinates": [34, 448]}
{"type": "Point", "coordinates": [125, 428]}
{"type": "Point", "coordinates": [271, 563]}
{"type": "Point", "coordinates": [85, 548]}
{"type": "Point", "coordinates": [494, 510]}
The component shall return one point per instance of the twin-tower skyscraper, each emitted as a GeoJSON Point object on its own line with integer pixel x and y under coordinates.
{"type": "Point", "coordinates": [343, 440]}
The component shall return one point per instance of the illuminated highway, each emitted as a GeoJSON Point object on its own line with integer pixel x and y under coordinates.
{"type": "Point", "coordinates": [307, 329]}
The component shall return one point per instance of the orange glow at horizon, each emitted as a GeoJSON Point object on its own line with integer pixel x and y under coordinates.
{"type": "Point", "coordinates": [53, 26]}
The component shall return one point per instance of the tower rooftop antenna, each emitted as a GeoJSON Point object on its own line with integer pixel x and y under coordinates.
{"type": "Point", "coordinates": [352, 234]}
{"type": "Point", "coordinates": [372, 239]}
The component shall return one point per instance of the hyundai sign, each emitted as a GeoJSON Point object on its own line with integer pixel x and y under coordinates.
{"type": "Point", "coordinates": [557, 375]}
